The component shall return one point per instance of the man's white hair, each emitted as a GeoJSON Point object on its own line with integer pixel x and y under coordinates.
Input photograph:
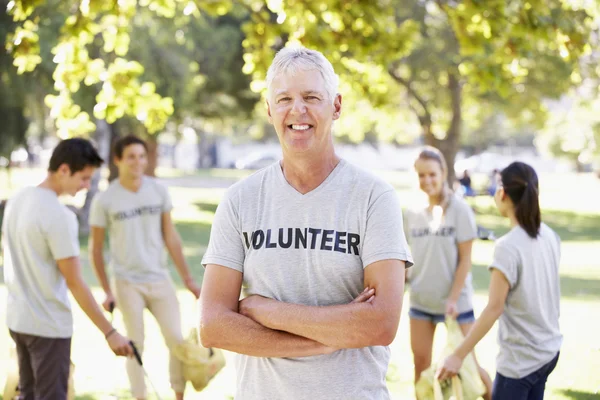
{"type": "Point", "coordinates": [293, 59]}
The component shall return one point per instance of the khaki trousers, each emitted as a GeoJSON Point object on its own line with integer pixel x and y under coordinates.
{"type": "Point", "coordinates": [160, 299]}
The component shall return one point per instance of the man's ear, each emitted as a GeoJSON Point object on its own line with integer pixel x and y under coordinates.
{"type": "Point", "coordinates": [337, 106]}
{"type": "Point", "coordinates": [64, 169]}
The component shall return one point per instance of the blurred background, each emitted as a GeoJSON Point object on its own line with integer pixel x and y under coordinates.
{"type": "Point", "coordinates": [486, 82]}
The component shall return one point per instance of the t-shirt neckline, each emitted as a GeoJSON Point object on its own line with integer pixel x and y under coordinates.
{"type": "Point", "coordinates": [296, 194]}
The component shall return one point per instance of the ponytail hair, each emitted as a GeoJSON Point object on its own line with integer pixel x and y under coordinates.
{"type": "Point", "coordinates": [520, 183]}
{"type": "Point", "coordinates": [431, 153]}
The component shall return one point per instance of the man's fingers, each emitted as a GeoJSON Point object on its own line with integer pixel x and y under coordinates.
{"type": "Point", "coordinates": [364, 296]}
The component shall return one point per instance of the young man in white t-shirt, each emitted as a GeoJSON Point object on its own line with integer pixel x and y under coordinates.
{"type": "Point", "coordinates": [41, 248]}
{"type": "Point", "coordinates": [136, 212]}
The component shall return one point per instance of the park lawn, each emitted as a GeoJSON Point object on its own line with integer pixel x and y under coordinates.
{"type": "Point", "coordinates": [568, 203]}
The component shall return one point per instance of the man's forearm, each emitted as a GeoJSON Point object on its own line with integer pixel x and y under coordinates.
{"type": "Point", "coordinates": [176, 252]}
{"type": "Point", "coordinates": [351, 325]}
{"type": "Point", "coordinates": [237, 333]}
{"type": "Point", "coordinates": [86, 301]}
{"type": "Point", "coordinates": [100, 269]}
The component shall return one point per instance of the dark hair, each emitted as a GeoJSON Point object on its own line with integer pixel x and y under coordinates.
{"type": "Point", "coordinates": [520, 183]}
{"type": "Point", "coordinates": [125, 141]}
{"type": "Point", "coordinates": [77, 153]}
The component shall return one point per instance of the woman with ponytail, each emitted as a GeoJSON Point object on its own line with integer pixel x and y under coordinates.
{"type": "Point", "coordinates": [440, 236]}
{"type": "Point", "coordinates": [524, 294]}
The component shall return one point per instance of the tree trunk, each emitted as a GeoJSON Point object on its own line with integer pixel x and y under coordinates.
{"type": "Point", "coordinates": [102, 137]}
{"type": "Point", "coordinates": [152, 155]}
{"type": "Point", "coordinates": [450, 145]}
{"type": "Point", "coordinates": [113, 172]}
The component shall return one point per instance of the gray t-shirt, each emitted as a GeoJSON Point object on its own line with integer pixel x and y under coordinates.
{"type": "Point", "coordinates": [309, 249]}
{"type": "Point", "coordinates": [434, 243]}
{"type": "Point", "coordinates": [134, 224]}
{"type": "Point", "coordinates": [38, 230]}
{"type": "Point", "coordinates": [528, 332]}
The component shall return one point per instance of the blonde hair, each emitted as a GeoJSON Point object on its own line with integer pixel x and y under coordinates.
{"type": "Point", "coordinates": [431, 153]}
{"type": "Point", "coordinates": [294, 59]}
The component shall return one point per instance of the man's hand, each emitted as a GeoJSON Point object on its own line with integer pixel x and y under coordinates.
{"type": "Point", "coordinates": [119, 344]}
{"type": "Point", "coordinates": [366, 296]}
{"type": "Point", "coordinates": [449, 367]}
{"type": "Point", "coordinates": [451, 308]}
{"type": "Point", "coordinates": [252, 306]}
{"type": "Point", "coordinates": [193, 287]}
{"type": "Point", "coordinates": [109, 302]}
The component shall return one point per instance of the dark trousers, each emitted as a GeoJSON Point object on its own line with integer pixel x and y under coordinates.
{"type": "Point", "coordinates": [530, 387]}
{"type": "Point", "coordinates": [44, 365]}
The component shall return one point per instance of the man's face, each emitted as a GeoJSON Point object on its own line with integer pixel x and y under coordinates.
{"type": "Point", "coordinates": [73, 183]}
{"type": "Point", "coordinates": [134, 161]}
{"type": "Point", "coordinates": [302, 112]}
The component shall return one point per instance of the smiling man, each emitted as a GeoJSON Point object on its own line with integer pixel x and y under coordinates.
{"type": "Point", "coordinates": [136, 212]}
{"type": "Point", "coordinates": [318, 249]}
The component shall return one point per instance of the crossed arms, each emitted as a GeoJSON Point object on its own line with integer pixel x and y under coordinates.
{"type": "Point", "coordinates": [262, 327]}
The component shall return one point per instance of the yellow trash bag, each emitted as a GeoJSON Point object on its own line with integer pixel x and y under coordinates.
{"type": "Point", "coordinates": [11, 387]}
{"type": "Point", "coordinates": [200, 364]}
{"type": "Point", "coordinates": [469, 385]}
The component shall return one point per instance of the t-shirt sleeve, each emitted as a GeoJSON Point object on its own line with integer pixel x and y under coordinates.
{"type": "Point", "coordinates": [466, 227]}
{"type": "Point", "coordinates": [98, 213]}
{"type": "Point", "coordinates": [225, 246]}
{"type": "Point", "coordinates": [384, 236]}
{"type": "Point", "coordinates": [167, 203]}
{"type": "Point", "coordinates": [63, 236]}
{"type": "Point", "coordinates": [506, 261]}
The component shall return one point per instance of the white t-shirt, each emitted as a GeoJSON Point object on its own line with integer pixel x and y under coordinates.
{"type": "Point", "coordinates": [134, 224]}
{"type": "Point", "coordinates": [37, 231]}
{"type": "Point", "coordinates": [309, 249]}
{"type": "Point", "coordinates": [434, 243]}
{"type": "Point", "coordinates": [528, 332]}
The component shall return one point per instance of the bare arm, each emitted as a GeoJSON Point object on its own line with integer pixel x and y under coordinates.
{"type": "Point", "coordinates": [71, 270]}
{"type": "Point", "coordinates": [96, 250]}
{"type": "Point", "coordinates": [499, 288]}
{"type": "Point", "coordinates": [173, 243]}
{"type": "Point", "coordinates": [222, 326]}
{"type": "Point", "coordinates": [352, 325]}
{"type": "Point", "coordinates": [462, 270]}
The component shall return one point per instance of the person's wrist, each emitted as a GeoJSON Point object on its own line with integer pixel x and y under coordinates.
{"type": "Point", "coordinates": [111, 332]}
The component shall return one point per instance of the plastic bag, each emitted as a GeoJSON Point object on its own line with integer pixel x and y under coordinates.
{"type": "Point", "coordinates": [200, 364]}
{"type": "Point", "coordinates": [11, 387]}
{"type": "Point", "coordinates": [470, 381]}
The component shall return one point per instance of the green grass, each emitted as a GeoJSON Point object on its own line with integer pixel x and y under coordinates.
{"type": "Point", "coordinates": [569, 205]}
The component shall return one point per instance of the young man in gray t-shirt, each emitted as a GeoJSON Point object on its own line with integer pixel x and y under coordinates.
{"type": "Point", "coordinates": [41, 261]}
{"type": "Point", "coordinates": [302, 239]}
{"type": "Point", "coordinates": [135, 210]}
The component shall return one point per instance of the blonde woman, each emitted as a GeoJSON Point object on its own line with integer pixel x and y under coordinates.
{"type": "Point", "coordinates": [440, 236]}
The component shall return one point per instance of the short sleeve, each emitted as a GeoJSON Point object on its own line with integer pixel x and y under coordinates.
{"type": "Point", "coordinates": [466, 227]}
{"type": "Point", "coordinates": [225, 246]}
{"type": "Point", "coordinates": [63, 236]}
{"type": "Point", "coordinates": [384, 236]}
{"type": "Point", "coordinates": [167, 203]}
{"type": "Point", "coordinates": [506, 261]}
{"type": "Point", "coordinates": [98, 213]}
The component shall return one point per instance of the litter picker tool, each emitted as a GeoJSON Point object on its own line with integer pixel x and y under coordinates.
{"type": "Point", "coordinates": [139, 360]}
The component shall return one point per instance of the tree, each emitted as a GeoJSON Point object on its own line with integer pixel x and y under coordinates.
{"type": "Point", "coordinates": [446, 56]}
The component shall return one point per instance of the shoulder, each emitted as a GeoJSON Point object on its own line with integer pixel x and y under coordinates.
{"type": "Point", "coordinates": [254, 183]}
{"type": "Point", "coordinates": [459, 205]}
{"type": "Point", "coordinates": [547, 232]}
{"type": "Point", "coordinates": [155, 184]}
{"type": "Point", "coordinates": [369, 183]}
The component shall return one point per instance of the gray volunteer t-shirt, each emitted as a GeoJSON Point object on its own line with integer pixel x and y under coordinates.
{"type": "Point", "coordinates": [133, 221]}
{"type": "Point", "coordinates": [528, 333]}
{"type": "Point", "coordinates": [38, 230]}
{"type": "Point", "coordinates": [309, 249]}
{"type": "Point", "coordinates": [434, 244]}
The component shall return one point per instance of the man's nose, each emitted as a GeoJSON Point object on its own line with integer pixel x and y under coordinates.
{"type": "Point", "coordinates": [298, 107]}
